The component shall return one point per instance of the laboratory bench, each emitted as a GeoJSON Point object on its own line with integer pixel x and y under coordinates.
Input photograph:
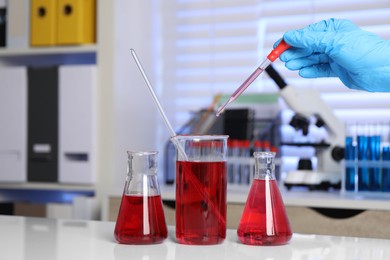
{"type": "Point", "coordinates": [309, 212]}
{"type": "Point", "coordinates": [42, 238]}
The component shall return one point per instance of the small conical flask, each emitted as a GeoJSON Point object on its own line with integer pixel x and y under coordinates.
{"type": "Point", "coordinates": [264, 220]}
{"type": "Point", "coordinates": [141, 218]}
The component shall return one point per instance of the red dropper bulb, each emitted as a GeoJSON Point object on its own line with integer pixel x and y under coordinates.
{"type": "Point", "coordinates": [275, 53]}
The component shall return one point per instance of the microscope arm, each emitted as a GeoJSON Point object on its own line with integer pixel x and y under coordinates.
{"type": "Point", "coordinates": [307, 103]}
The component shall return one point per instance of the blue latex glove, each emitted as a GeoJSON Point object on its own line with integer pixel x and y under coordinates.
{"type": "Point", "coordinates": [339, 48]}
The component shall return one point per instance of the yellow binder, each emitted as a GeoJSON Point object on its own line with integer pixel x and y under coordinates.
{"type": "Point", "coordinates": [76, 21]}
{"type": "Point", "coordinates": [43, 22]}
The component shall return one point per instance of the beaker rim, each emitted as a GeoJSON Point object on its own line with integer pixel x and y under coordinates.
{"type": "Point", "coordinates": [131, 152]}
{"type": "Point", "coordinates": [201, 137]}
{"type": "Point", "coordinates": [263, 154]}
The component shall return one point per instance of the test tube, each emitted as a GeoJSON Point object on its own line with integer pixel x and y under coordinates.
{"type": "Point", "coordinates": [385, 170]}
{"type": "Point", "coordinates": [275, 150]}
{"type": "Point", "coordinates": [350, 175]}
{"type": "Point", "coordinates": [362, 152]}
{"type": "Point", "coordinates": [385, 135]}
{"type": "Point", "coordinates": [235, 168]}
{"type": "Point", "coordinates": [244, 167]}
{"type": "Point", "coordinates": [350, 155]}
{"type": "Point", "coordinates": [258, 146]}
{"type": "Point", "coordinates": [266, 146]}
{"type": "Point", "coordinates": [374, 153]}
{"type": "Point", "coordinates": [239, 169]}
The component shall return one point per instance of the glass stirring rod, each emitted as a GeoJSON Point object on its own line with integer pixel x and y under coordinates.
{"type": "Point", "coordinates": [272, 56]}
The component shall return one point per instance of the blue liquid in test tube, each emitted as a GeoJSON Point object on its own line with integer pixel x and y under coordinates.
{"type": "Point", "coordinates": [350, 172]}
{"type": "Point", "coordinates": [363, 173]}
{"type": "Point", "coordinates": [374, 151]}
{"type": "Point", "coordinates": [385, 170]}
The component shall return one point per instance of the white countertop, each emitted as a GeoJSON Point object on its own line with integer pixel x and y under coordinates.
{"type": "Point", "coordinates": [25, 238]}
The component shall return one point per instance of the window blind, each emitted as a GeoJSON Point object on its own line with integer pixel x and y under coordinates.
{"type": "Point", "coordinates": [211, 46]}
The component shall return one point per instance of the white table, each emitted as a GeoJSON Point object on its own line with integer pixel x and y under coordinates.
{"type": "Point", "coordinates": [40, 238]}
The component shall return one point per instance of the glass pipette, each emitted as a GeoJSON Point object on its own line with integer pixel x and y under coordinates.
{"type": "Point", "coordinates": [165, 118]}
{"type": "Point", "coordinates": [272, 56]}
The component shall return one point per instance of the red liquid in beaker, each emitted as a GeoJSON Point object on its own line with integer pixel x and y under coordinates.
{"type": "Point", "coordinates": [141, 221]}
{"type": "Point", "coordinates": [200, 202]}
{"type": "Point", "coordinates": [264, 221]}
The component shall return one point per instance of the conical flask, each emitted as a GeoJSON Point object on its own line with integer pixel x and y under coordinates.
{"type": "Point", "coordinates": [141, 218]}
{"type": "Point", "coordinates": [264, 220]}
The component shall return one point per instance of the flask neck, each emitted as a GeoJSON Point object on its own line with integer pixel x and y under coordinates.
{"type": "Point", "coordinates": [142, 174]}
{"type": "Point", "coordinates": [142, 163]}
{"type": "Point", "coordinates": [264, 165]}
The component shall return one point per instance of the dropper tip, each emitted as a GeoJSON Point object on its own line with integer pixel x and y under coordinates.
{"type": "Point", "coordinates": [221, 109]}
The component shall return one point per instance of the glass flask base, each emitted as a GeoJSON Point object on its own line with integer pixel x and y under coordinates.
{"type": "Point", "coordinates": [264, 220]}
{"type": "Point", "coordinates": [141, 221]}
{"type": "Point", "coordinates": [253, 238]}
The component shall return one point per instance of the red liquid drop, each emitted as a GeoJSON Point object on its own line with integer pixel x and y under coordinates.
{"type": "Point", "coordinates": [200, 202]}
{"type": "Point", "coordinates": [264, 221]}
{"type": "Point", "coordinates": [141, 221]}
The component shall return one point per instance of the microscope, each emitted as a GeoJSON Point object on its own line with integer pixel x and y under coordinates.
{"type": "Point", "coordinates": [307, 104]}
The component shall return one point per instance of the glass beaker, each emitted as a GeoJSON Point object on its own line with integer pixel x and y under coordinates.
{"type": "Point", "coordinates": [141, 218]}
{"type": "Point", "coordinates": [264, 220]}
{"type": "Point", "coordinates": [201, 189]}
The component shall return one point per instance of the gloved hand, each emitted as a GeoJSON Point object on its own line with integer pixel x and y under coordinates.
{"type": "Point", "coordinates": [339, 48]}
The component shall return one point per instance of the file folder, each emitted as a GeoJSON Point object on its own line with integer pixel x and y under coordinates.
{"type": "Point", "coordinates": [43, 22]}
{"type": "Point", "coordinates": [76, 22]}
{"type": "Point", "coordinates": [77, 87]}
{"type": "Point", "coordinates": [13, 126]}
{"type": "Point", "coordinates": [3, 23]}
{"type": "Point", "coordinates": [15, 228]}
{"type": "Point", "coordinates": [42, 124]}
{"type": "Point", "coordinates": [40, 232]}
{"type": "Point", "coordinates": [58, 210]}
{"type": "Point", "coordinates": [18, 23]}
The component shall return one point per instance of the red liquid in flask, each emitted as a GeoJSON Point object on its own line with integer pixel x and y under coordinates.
{"type": "Point", "coordinates": [200, 202]}
{"type": "Point", "coordinates": [141, 221]}
{"type": "Point", "coordinates": [264, 221]}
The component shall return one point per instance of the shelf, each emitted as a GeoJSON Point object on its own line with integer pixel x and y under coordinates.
{"type": "Point", "coordinates": [46, 186]}
{"type": "Point", "coordinates": [43, 192]}
{"type": "Point", "coordinates": [49, 56]}
{"type": "Point", "coordinates": [4, 52]}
